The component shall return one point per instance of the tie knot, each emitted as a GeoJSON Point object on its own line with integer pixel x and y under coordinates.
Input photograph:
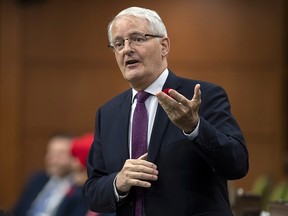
{"type": "Point", "coordinates": [142, 96]}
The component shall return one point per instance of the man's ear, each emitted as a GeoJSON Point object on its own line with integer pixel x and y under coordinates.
{"type": "Point", "coordinates": [165, 42]}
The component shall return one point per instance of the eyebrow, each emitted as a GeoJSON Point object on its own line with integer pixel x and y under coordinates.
{"type": "Point", "coordinates": [132, 33]}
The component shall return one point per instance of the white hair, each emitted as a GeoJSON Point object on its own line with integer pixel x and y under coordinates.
{"type": "Point", "coordinates": [156, 26]}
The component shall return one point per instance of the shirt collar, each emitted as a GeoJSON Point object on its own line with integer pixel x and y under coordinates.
{"type": "Point", "coordinates": [156, 86]}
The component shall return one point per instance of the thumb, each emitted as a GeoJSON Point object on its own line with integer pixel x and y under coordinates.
{"type": "Point", "coordinates": [197, 93]}
{"type": "Point", "coordinates": [144, 156]}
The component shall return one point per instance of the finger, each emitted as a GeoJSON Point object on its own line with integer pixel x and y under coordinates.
{"type": "Point", "coordinates": [171, 102]}
{"type": "Point", "coordinates": [178, 98]}
{"type": "Point", "coordinates": [144, 161]}
{"type": "Point", "coordinates": [163, 97]}
{"type": "Point", "coordinates": [144, 177]}
{"type": "Point", "coordinates": [197, 93]}
{"type": "Point", "coordinates": [144, 156]}
{"type": "Point", "coordinates": [139, 164]}
{"type": "Point", "coordinates": [140, 183]}
{"type": "Point", "coordinates": [165, 101]}
{"type": "Point", "coordinates": [145, 174]}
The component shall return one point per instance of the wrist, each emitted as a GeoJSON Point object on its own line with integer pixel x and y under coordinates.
{"type": "Point", "coordinates": [191, 129]}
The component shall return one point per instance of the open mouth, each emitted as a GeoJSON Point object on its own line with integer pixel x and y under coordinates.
{"type": "Point", "coordinates": [131, 62]}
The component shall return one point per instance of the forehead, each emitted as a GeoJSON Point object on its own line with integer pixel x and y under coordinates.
{"type": "Point", "coordinates": [124, 25]}
{"type": "Point", "coordinates": [59, 144]}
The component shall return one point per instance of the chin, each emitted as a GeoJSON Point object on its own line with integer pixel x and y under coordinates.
{"type": "Point", "coordinates": [133, 73]}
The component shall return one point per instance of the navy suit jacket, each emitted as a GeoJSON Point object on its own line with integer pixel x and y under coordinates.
{"type": "Point", "coordinates": [192, 176]}
{"type": "Point", "coordinates": [73, 203]}
{"type": "Point", "coordinates": [29, 193]}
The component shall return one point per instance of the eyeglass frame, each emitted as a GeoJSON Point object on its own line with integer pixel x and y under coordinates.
{"type": "Point", "coordinates": [133, 42]}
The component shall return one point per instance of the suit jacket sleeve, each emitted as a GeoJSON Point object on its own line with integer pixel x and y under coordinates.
{"type": "Point", "coordinates": [98, 189]}
{"type": "Point", "coordinates": [220, 139]}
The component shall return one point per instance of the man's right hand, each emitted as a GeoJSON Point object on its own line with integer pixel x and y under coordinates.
{"type": "Point", "coordinates": [136, 172]}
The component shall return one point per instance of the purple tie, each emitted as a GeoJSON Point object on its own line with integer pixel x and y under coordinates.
{"type": "Point", "coordinates": [139, 140]}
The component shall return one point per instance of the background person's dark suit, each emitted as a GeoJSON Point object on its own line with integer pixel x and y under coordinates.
{"type": "Point", "coordinates": [192, 174]}
{"type": "Point", "coordinates": [73, 203]}
{"type": "Point", "coordinates": [34, 185]}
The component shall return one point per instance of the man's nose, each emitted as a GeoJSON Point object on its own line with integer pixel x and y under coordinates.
{"type": "Point", "coordinates": [129, 42]}
{"type": "Point", "coordinates": [128, 46]}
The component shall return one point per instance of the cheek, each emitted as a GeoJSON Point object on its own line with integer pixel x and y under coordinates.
{"type": "Point", "coordinates": [119, 60]}
{"type": "Point", "coordinates": [152, 59]}
{"type": "Point", "coordinates": [153, 53]}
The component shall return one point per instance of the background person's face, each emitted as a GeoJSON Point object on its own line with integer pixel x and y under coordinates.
{"type": "Point", "coordinates": [140, 65]}
{"type": "Point", "coordinates": [58, 158]}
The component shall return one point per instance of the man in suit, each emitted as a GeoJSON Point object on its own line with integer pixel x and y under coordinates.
{"type": "Point", "coordinates": [191, 150]}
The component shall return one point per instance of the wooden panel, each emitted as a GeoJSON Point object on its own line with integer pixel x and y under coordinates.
{"type": "Point", "coordinates": [10, 103]}
{"type": "Point", "coordinates": [233, 30]}
{"type": "Point", "coordinates": [71, 99]}
{"type": "Point", "coordinates": [65, 29]}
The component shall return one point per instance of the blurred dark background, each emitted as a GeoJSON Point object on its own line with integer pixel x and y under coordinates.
{"type": "Point", "coordinates": [56, 70]}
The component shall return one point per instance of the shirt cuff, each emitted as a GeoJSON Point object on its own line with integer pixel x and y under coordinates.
{"type": "Point", "coordinates": [194, 133]}
{"type": "Point", "coordinates": [117, 196]}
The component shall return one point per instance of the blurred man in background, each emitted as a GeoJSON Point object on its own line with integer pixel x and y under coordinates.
{"type": "Point", "coordinates": [45, 190]}
{"type": "Point", "coordinates": [73, 203]}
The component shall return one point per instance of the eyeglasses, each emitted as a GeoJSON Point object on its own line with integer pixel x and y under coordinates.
{"type": "Point", "coordinates": [135, 39]}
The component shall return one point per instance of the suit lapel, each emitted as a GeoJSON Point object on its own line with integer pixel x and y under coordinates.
{"type": "Point", "coordinates": [124, 117]}
{"type": "Point", "coordinates": [160, 124]}
{"type": "Point", "coordinates": [161, 121]}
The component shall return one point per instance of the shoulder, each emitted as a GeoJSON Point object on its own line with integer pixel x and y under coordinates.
{"type": "Point", "coordinates": [204, 84]}
{"type": "Point", "coordinates": [39, 177]}
{"type": "Point", "coordinates": [189, 83]}
{"type": "Point", "coordinates": [186, 87]}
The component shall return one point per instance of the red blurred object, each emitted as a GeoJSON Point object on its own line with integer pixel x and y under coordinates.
{"type": "Point", "coordinates": [81, 146]}
{"type": "Point", "coordinates": [166, 91]}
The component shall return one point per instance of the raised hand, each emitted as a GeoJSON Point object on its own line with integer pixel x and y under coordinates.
{"type": "Point", "coordinates": [181, 111]}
